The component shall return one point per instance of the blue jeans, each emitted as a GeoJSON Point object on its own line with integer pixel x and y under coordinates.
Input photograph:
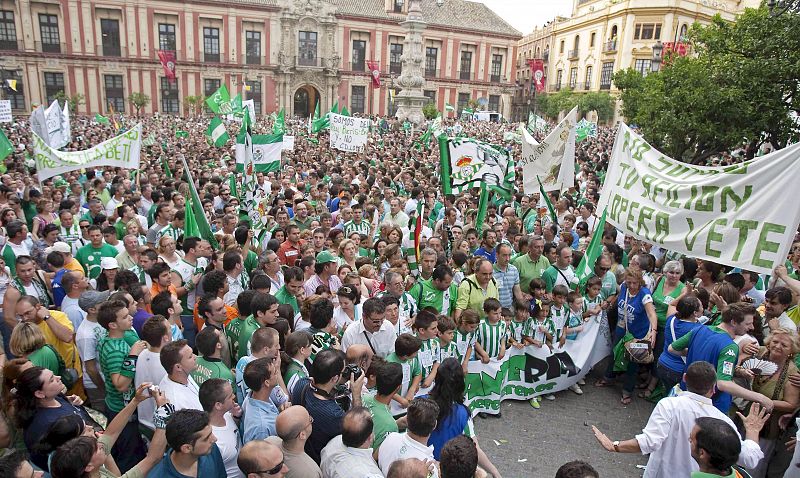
{"type": "Point", "coordinates": [630, 374]}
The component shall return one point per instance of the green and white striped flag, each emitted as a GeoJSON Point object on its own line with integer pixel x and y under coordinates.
{"type": "Point", "coordinates": [593, 252]}
{"type": "Point", "coordinates": [412, 243]}
{"type": "Point", "coordinates": [150, 140]}
{"type": "Point", "coordinates": [449, 108]}
{"type": "Point", "coordinates": [217, 132]}
{"type": "Point", "coordinates": [219, 102]}
{"type": "Point", "coordinates": [266, 150]}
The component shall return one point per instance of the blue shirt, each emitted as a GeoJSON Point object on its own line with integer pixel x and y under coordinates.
{"type": "Point", "coordinates": [208, 466]}
{"type": "Point", "coordinates": [633, 308]}
{"type": "Point", "coordinates": [258, 419]}
{"type": "Point", "coordinates": [706, 345]}
{"type": "Point", "coordinates": [327, 417]}
{"type": "Point", "coordinates": [451, 427]}
{"type": "Point", "coordinates": [481, 252]}
{"type": "Point", "coordinates": [58, 292]}
{"type": "Point", "coordinates": [682, 327]}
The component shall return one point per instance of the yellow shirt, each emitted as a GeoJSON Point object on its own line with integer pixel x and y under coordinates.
{"type": "Point", "coordinates": [794, 314]}
{"type": "Point", "coordinates": [74, 266]}
{"type": "Point", "coordinates": [68, 351]}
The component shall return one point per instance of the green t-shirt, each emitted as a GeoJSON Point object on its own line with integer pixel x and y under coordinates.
{"type": "Point", "coordinates": [45, 357]}
{"type": "Point", "coordinates": [700, 474]}
{"type": "Point", "coordinates": [284, 297]}
{"type": "Point", "coordinates": [248, 328]}
{"type": "Point", "coordinates": [232, 331]}
{"type": "Point", "coordinates": [251, 262]}
{"type": "Point", "coordinates": [529, 270]}
{"type": "Point", "coordinates": [382, 421]}
{"type": "Point", "coordinates": [113, 358]}
{"type": "Point", "coordinates": [89, 257]}
{"type": "Point", "coordinates": [212, 368]}
{"type": "Point", "coordinates": [411, 369]}
{"type": "Point", "coordinates": [661, 302]}
{"type": "Point", "coordinates": [726, 360]}
{"type": "Point", "coordinates": [552, 276]}
{"type": "Point", "coordinates": [427, 295]}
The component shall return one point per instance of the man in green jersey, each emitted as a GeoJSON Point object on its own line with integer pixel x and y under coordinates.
{"type": "Point", "coordinates": [387, 381]}
{"type": "Point", "coordinates": [209, 364]}
{"type": "Point", "coordinates": [264, 312]}
{"type": "Point", "coordinates": [438, 292]}
{"type": "Point", "coordinates": [90, 255]}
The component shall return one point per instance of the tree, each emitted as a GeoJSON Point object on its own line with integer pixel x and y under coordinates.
{"type": "Point", "coordinates": [739, 89]}
{"type": "Point", "coordinates": [74, 100]}
{"type": "Point", "coordinates": [430, 111]}
{"type": "Point", "coordinates": [473, 104]}
{"type": "Point", "coordinates": [551, 105]}
{"type": "Point", "coordinates": [194, 104]}
{"type": "Point", "coordinates": [600, 102]}
{"type": "Point", "coordinates": [138, 101]}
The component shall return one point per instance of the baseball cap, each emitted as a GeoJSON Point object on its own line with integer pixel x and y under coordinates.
{"type": "Point", "coordinates": [59, 246]}
{"type": "Point", "coordinates": [325, 257]}
{"type": "Point", "coordinates": [108, 263]}
{"type": "Point", "coordinates": [92, 298]}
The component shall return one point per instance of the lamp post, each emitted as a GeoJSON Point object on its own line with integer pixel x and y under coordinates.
{"type": "Point", "coordinates": [655, 63]}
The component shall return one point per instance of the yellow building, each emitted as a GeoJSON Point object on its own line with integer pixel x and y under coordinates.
{"type": "Point", "coordinates": [602, 37]}
{"type": "Point", "coordinates": [288, 53]}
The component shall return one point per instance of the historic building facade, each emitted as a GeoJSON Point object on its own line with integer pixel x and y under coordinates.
{"type": "Point", "coordinates": [601, 37]}
{"type": "Point", "coordinates": [280, 53]}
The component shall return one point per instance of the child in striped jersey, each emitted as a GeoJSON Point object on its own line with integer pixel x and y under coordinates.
{"type": "Point", "coordinates": [465, 336]}
{"type": "Point", "coordinates": [559, 310]}
{"type": "Point", "coordinates": [447, 347]}
{"type": "Point", "coordinates": [592, 302]}
{"type": "Point", "coordinates": [406, 347]}
{"type": "Point", "coordinates": [298, 350]}
{"type": "Point", "coordinates": [575, 320]}
{"type": "Point", "coordinates": [492, 333]}
{"type": "Point", "coordinates": [519, 331]}
{"type": "Point", "coordinates": [426, 328]}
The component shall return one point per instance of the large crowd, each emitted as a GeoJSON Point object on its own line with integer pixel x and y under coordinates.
{"type": "Point", "coordinates": [309, 348]}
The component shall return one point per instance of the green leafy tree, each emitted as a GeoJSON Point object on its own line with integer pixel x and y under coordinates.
{"type": "Point", "coordinates": [74, 100]}
{"type": "Point", "coordinates": [430, 111]}
{"type": "Point", "coordinates": [601, 103]}
{"type": "Point", "coordinates": [194, 104]}
{"type": "Point", "coordinates": [138, 101]}
{"type": "Point", "coordinates": [739, 89]}
{"type": "Point", "coordinates": [552, 105]}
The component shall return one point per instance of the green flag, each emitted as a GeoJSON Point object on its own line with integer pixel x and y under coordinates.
{"type": "Point", "coordinates": [101, 119]}
{"type": "Point", "coordinates": [197, 207]}
{"type": "Point", "coordinates": [165, 164]}
{"type": "Point", "coordinates": [190, 228]}
{"type": "Point", "coordinates": [316, 112]}
{"type": "Point", "coordinates": [220, 98]}
{"type": "Point", "coordinates": [6, 147]}
{"type": "Point", "coordinates": [449, 108]}
{"type": "Point", "coordinates": [319, 123]}
{"type": "Point", "coordinates": [279, 125]}
{"type": "Point", "coordinates": [344, 111]}
{"type": "Point", "coordinates": [335, 107]}
{"type": "Point", "coordinates": [150, 140]}
{"type": "Point", "coordinates": [483, 205]}
{"type": "Point", "coordinates": [181, 134]}
{"type": "Point", "coordinates": [546, 199]}
{"type": "Point", "coordinates": [232, 185]}
{"type": "Point", "coordinates": [217, 132]}
{"type": "Point", "coordinates": [237, 108]}
{"type": "Point", "coordinates": [593, 252]}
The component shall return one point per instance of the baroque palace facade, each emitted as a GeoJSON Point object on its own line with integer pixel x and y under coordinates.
{"type": "Point", "coordinates": [280, 53]}
{"type": "Point", "coordinates": [582, 52]}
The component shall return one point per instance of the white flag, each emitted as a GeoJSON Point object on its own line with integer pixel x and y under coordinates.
{"type": "Point", "coordinates": [54, 122]}
{"type": "Point", "coordinates": [552, 161]}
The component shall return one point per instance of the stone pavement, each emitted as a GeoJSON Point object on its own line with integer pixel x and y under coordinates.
{"type": "Point", "coordinates": [560, 431]}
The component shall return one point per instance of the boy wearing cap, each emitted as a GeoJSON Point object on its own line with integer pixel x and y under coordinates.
{"type": "Point", "coordinates": [66, 250]}
{"type": "Point", "coordinates": [325, 274]}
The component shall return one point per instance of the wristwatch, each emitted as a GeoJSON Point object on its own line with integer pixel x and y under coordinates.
{"type": "Point", "coordinates": [46, 317]}
{"type": "Point", "coordinates": [616, 445]}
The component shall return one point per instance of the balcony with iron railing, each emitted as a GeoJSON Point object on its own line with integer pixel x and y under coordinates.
{"type": "Point", "coordinates": [113, 50]}
{"type": "Point", "coordinates": [495, 78]}
{"type": "Point", "coordinates": [587, 85]}
{"type": "Point", "coordinates": [572, 54]}
{"type": "Point", "coordinates": [11, 45]}
{"type": "Point", "coordinates": [177, 53]}
{"type": "Point", "coordinates": [212, 57]}
{"type": "Point", "coordinates": [466, 75]}
{"type": "Point", "coordinates": [432, 73]}
{"type": "Point", "coordinates": [395, 67]}
{"type": "Point", "coordinates": [306, 60]}
{"type": "Point", "coordinates": [610, 46]}
{"type": "Point", "coordinates": [50, 47]}
{"type": "Point", "coordinates": [546, 56]}
{"type": "Point", "coordinates": [252, 59]}
{"type": "Point", "coordinates": [605, 86]}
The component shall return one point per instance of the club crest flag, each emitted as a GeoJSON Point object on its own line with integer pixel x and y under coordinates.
{"type": "Point", "coordinates": [466, 163]}
{"type": "Point", "coordinates": [537, 73]}
{"type": "Point", "coordinates": [120, 151]}
{"type": "Point", "coordinates": [52, 124]}
{"type": "Point", "coordinates": [743, 215]}
{"type": "Point", "coordinates": [167, 59]}
{"type": "Point", "coordinates": [266, 152]}
{"type": "Point", "coordinates": [552, 161]}
{"type": "Point", "coordinates": [375, 72]}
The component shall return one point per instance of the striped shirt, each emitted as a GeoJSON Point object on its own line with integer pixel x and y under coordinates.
{"type": "Point", "coordinates": [519, 330]}
{"type": "Point", "coordinates": [448, 351]}
{"type": "Point", "coordinates": [428, 355]}
{"type": "Point", "coordinates": [463, 341]}
{"type": "Point", "coordinates": [506, 280]}
{"type": "Point", "coordinates": [492, 336]}
{"type": "Point", "coordinates": [169, 231]}
{"type": "Point", "coordinates": [559, 317]}
{"type": "Point", "coordinates": [362, 227]}
{"type": "Point", "coordinates": [538, 334]}
{"type": "Point", "coordinates": [113, 359]}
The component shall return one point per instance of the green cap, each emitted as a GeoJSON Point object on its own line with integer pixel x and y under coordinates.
{"type": "Point", "coordinates": [324, 257]}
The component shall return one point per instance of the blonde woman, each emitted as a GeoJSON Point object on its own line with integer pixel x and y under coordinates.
{"type": "Point", "coordinates": [347, 253]}
{"type": "Point", "coordinates": [133, 227]}
{"type": "Point", "coordinates": [167, 251]}
{"type": "Point", "coordinates": [27, 341]}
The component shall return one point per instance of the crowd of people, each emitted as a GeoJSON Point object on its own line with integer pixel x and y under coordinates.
{"type": "Point", "coordinates": [308, 347]}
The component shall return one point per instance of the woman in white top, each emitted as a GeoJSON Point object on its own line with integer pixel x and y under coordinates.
{"type": "Point", "coordinates": [168, 253]}
{"type": "Point", "coordinates": [349, 309]}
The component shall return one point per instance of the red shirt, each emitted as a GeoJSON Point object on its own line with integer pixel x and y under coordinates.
{"type": "Point", "coordinates": [289, 253]}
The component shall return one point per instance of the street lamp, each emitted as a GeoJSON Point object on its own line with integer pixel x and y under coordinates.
{"type": "Point", "coordinates": [655, 63]}
{"type": "Point", "coordinates": [439, 3]}
{"type": "Point", "coordinates": [779, 7]}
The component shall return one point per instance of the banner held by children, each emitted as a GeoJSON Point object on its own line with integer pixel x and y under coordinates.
{"type": "Point", "coordinates": [120, 151]}
{"type": "Point", "coordinates": [348, 133]}
{"type": "Point", "coordinates": [532, 371]}
{"type": "Point", "coordinates": [726, 214]}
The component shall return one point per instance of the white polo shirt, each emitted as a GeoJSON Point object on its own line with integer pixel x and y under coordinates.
{"type": "Point", "coordinates": [180, 395]}
{"type": "Point", "coordinates": [398, 446]}
{"type": "Point", "coordinates": [381, 342]}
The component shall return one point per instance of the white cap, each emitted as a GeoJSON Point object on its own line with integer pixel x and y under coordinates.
{"type": "Point", "coordinates": [108, 263]}
{"type": "Point", "coordinates": [59, 246]}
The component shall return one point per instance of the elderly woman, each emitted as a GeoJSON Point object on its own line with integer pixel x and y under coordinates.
{"type": "Point", "coordinates": [347, 253]}
{"type": "Point", "coordinates": [779, 347]}
{"type": "Point", "coordinates": [637, 316]}
{"type": "Point", "coordinates": [167, 251]}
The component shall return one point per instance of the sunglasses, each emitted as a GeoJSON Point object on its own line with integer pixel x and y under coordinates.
{"type": "Point", "coordinates": [274, 471]}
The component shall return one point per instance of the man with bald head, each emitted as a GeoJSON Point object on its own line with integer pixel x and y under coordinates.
{"type": "Point", "coordinates": [294, 427]}
{"type": "Point", "coordinates": [258, 458]}
{"type": "Point", "coordinates": [349, 454]}
{"type": "Point", "coordinates": [409, 468]}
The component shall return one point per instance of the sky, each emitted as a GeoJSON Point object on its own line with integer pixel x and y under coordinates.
{"type": "Point", "coordinates": [525, 14]}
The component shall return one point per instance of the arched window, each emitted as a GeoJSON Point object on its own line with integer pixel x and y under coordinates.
{"type": "Point", "coordinates": [613, 32]}
{"type": "Point", "coordinates": [682, 36]}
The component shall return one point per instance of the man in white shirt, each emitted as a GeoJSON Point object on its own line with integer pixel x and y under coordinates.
{"type": "Point", "coordinates": [422, 415]}
{"type": "Point", "coordinates": [157, 332]}
{"type": "Point", "coordinates": [349, 454]}
{"type": "Point", "coordinates": [219, 401]}
{"type": "Point", "coordinates": [372, 330]}
{"type": "Point", "coordinates": [86, 339]}
{"type": "Point", "coordinates": [666, 436]}
{"type": "Point", "coordinates": [178, 386]}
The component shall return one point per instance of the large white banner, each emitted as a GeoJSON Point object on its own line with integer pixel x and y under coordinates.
{"type": "Point", "coordinates": [5, 111]}
{"type": "Point", "coordinates": [552, 161]}
{"type": "Point", "coordinates": [348, 133]}
{"type": "Point", "coordinates": [121, 151]}
{"type": "Point", "coordinates": [288, 143]}
{"type": "Point", "coordinates": [531, 371]}
{"type": "Point", "coordinates": [744, 215]}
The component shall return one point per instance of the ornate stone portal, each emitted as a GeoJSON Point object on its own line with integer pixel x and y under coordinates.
{"type": "Point", "coordinates": [411, 100]}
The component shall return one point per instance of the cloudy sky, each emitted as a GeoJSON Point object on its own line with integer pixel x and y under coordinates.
{"type": "Point", "coordinates": [525, 14]}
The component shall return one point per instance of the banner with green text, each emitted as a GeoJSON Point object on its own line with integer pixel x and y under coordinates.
{"type": "Point", "coordinates": [532, 371]}
{"type": "Point", "coordinates": [744, 215]}
{"type": "Point", "coordinates": [120, 151]}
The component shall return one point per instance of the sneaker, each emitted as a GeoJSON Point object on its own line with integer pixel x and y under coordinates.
{"type": "Point", "coordinates": [483, 415]}
{"type": "Point", "coordinates": [577, 389]}
{"type": "Point", "coordinates": [581, 382]}
{"type": "Point", "coordinates": [550, 397]}
{"type": "Point", "coordinates": [535, 403]}
{"type": "Point", "coordinates": [496, 415]}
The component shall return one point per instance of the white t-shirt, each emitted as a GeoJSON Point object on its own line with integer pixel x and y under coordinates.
{"type": "Point", "coordinates": [86, 340]}
{"type": "Point", "coordinates": [148, 370]}
{"type": "Point", "coordinates": [398, 446]}
{"type": "Point", "coordinates": [341, 317]}
{"type": "Point", "coordinates": [229, 442]}
{"type": "Point", "coordinates": [180, 395]}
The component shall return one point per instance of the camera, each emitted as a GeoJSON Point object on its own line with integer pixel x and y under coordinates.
{"type": "Point", "coordinates": [353, 370]}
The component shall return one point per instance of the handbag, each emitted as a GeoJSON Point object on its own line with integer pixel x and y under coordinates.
{"type": "Point", "coordinates": [637, 350]}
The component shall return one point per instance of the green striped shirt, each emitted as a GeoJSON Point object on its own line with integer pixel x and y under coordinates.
{"type": "Point", "coordinates": [428, 355]}
{"type": "Point", "coordinates": [538, 334]}
{"type": "Point", "coordinates": [113, 358]}
{"type": "Point", "coordinates": [519, 330]}
{"type": "Point", "coordinates": [448, 351]}
{"type": "Point", "coordinates": [463, 341]}
{"type": "Point", "coordinates": [492, 337]}
{"type": "Point", "coordinates": [559, 318]}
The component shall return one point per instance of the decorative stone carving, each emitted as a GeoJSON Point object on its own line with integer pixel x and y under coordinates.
{"type": "Point", "coordinates": [411, 99]}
